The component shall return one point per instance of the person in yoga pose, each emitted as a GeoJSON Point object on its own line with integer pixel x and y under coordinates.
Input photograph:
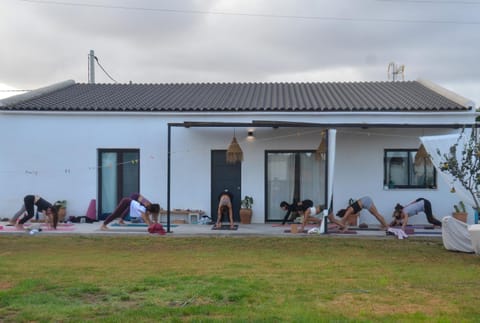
{"type": "Point", "coordinates": [29, 202]}
{"type": "Point", "coordinates": [225, 207]}
{"type": "Point", "coordinates": [291, 209]}
{"type": "Point", "coordinates": [366, 203]}
{"type": "Point", "coordinates": [402, 213]}
{"type": "Point", "coordinates": [124, 205]}
{"type": "Point", "coordinates": [313, 214]}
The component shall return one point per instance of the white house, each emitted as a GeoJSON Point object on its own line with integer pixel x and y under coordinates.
{"type": "Point", "coordinates": [78, 142]}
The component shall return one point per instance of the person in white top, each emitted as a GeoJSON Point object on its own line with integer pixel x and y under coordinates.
{"type": "Point", "coordinates": [137, 211]}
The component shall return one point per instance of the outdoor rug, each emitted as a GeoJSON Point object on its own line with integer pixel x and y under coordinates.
{"type": "Point", "coordinates": [226, 227]}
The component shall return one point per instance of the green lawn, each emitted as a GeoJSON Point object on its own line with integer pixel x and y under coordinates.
{"type": "Point", "coordinates": [148, 279]}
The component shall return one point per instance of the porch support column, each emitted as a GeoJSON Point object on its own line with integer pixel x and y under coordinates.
{"type": "Point", "coordinates": [169, 154]}
{"type": "Point", "coordinates": [331, 146]}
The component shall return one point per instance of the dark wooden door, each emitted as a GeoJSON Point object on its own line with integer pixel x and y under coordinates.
{"type": "Point", "coordinates": [225, 176]}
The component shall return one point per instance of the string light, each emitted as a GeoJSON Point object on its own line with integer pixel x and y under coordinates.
{"type": "Point", "coordinates": [294, 134]}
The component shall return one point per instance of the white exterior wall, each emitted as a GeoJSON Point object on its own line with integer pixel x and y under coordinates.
{"type": "Point", "coordinates": [359, 171]}
{"type": "Point", "coordinates": [55, 155]}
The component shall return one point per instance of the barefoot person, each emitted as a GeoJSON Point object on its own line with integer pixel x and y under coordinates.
{"type": "Point", "coordinates": [49, 211]}
{"type": "Point", "coordinates": [402, 213]}
{"type": "Point", "coordinates": [313, 214]}
{"type": "Point", "coordinates": [124, 205]}
{"type": "Point", "coordinates": [225, 207]}
{"type": "Point", "coordinates": [365, 203]}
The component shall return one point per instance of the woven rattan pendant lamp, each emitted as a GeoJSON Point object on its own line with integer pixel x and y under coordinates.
{"type": "Point", "coordinates": [234, 151]}
{"type": "Point", "coordinates": [422, 156]}
{"type": "Point", "coordinates": [321, 152]}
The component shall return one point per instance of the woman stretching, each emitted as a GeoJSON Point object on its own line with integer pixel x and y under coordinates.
{"type": "Point", "coordinates": [366, 203]}
{"type": "Point", "coordinates": [50, 212]}
{"type": "Point", "coordinates": [402, 213]}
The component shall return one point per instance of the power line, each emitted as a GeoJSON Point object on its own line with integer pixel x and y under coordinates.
{"type": "Point", "coordinates": [273, 16]}
{"type": "Point", "coordinates": [106, 73]}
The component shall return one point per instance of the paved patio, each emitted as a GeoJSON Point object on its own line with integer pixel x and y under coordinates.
{"type": "Point", "coordinates": [188, 230]}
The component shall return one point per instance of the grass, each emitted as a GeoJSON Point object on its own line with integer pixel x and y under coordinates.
{"type": "Point", "coordinates": [148, 279]}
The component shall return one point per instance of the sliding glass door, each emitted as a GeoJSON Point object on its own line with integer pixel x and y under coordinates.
{"type": "Point", "coordinates": [119, 176]}
{"type": "Point", "coordinates": [293, 176]}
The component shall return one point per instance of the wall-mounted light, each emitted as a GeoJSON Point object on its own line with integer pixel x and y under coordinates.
{"type": "Point", "coordinates": [250, 135]}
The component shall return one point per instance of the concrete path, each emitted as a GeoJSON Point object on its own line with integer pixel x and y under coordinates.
{"type": "Point", "coordinates": [187, 230]}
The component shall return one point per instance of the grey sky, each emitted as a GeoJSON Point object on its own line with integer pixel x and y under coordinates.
{"type": "Point", "coordinates": [166, 41]}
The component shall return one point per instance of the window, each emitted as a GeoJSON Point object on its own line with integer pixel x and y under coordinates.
{"type": "Point", "coordinates": [401, 171]}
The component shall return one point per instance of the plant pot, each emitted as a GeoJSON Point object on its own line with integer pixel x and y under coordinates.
{"type": "Point", "coordinates": [460, 216]}
{"type": "Point", "coordinates": [245, 216]}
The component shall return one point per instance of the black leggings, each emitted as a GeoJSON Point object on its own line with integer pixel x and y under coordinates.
{"type": "Point", "coordinates": [427, 208]}
{"type": "Point", "coordinates": [29, 202]}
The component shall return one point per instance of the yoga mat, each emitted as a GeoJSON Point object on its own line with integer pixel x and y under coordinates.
{"type": "Point", "coordinates": [129, 225]}
{"type": "Point", "coordinates": [138, 225]}
{"type": "Point", "coordinates": [59, 228]}
{"type": "Point", "coordinates": [226, 227]}
{"type": "Point", "coordinates": [342, 232]}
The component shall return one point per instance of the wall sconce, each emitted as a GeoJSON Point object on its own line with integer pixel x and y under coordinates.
{"type": "Point", "coordinates": [250, 135]}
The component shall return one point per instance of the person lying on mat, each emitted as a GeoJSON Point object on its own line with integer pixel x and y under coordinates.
{"type": "Point", "coordinates": [313, 214]}
{"type": "Point", "coordinates": [122, 208]}
{"type": "Point", "coordinates": [402, 213]}
{"type": "Point", "coordinates": [225, 207]}
{"type": "Point", "coordinates": [49, 211]}
{"type": "Point", "coordinates": [366, 203]}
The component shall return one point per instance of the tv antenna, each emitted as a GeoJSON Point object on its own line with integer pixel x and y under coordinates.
{"type": "Point", "coordinates": [394, 71]}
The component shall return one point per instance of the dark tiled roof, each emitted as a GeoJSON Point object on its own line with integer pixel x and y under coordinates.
{"type": "Point", "coordinates": [240, 97]}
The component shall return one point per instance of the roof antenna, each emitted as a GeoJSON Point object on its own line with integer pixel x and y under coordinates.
{"type": "Point", "coordinates": [91, 67]}
{"type": "Point", "coordinates": [393, 70]}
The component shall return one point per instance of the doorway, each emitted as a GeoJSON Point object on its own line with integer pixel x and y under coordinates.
{"type": "Point", "coordinates": [118, 176]}
{"type": "Point", "coordinates": [225, 176]}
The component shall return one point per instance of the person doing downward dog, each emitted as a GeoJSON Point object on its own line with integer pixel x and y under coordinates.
{"type": "Point", "coordinates": [225, 207]}
{"type": "Point", "coordinates": [366, 203]}
{"type": "Point", "coordinates": [402, 213]}
{"type": "Point", "coordinates": [50, 211]}
{"type": "Point", "coordinates": [124, 205]}
{"type": "Point", "coordinates": [137, 210]}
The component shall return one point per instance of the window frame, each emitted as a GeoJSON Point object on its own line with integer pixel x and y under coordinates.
{"type": "Point", "coordinates": [410, 165]}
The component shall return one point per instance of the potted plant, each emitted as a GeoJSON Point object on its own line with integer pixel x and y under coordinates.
{"type": "Point", "coordinates": [460, 212]}
{"type": "Point", "coordinates": [246, 210]}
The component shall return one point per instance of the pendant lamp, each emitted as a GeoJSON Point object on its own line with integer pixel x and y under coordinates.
{"type": "Point", "coordinates": [234, 152]}
{"type": "Point", "coordinates": [321, 152]}
{"type": "Point", "coordinates": [422, 156]}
